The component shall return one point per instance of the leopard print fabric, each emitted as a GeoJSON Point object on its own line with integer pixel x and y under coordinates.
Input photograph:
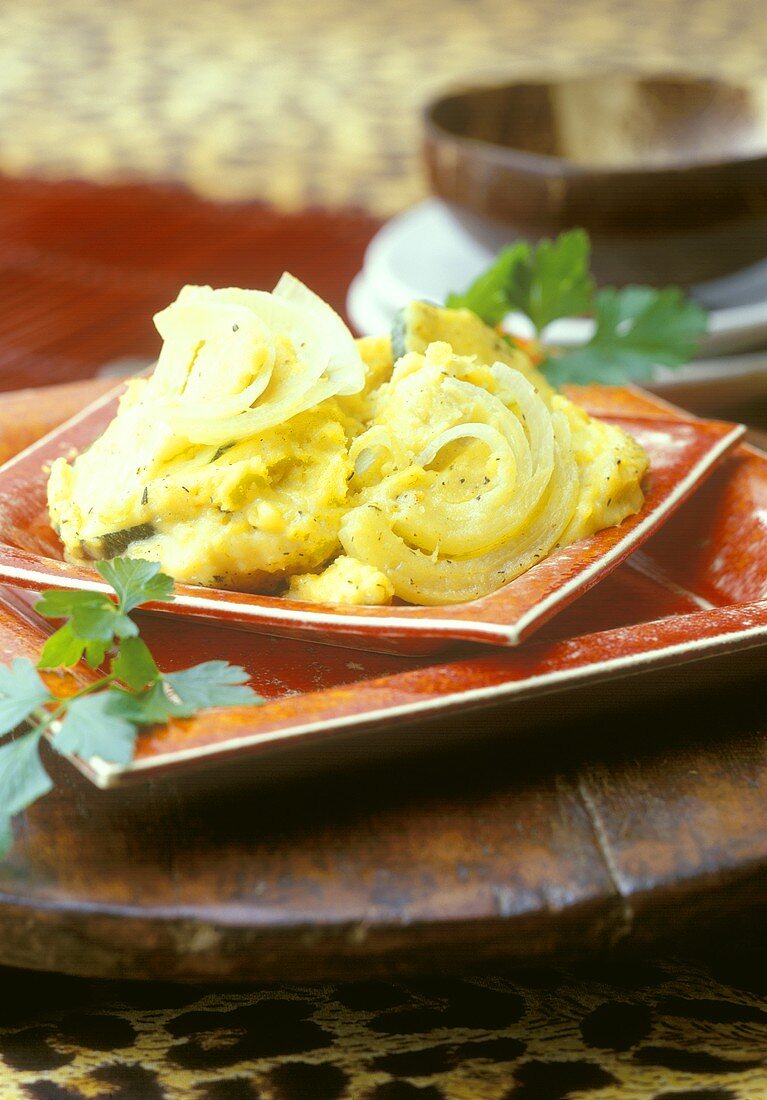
{"type": "Point", "coordinates": [320, 105]}
{"type": "Point", "coordinates": [662, 1030]}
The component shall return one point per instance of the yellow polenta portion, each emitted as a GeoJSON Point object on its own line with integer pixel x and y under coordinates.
{"type": "Point", "coordinates": [372, 479]}
{"type": "Point", "coordinates": [244, 510]}
{"type": "Point", "coordinates": [265, 507]}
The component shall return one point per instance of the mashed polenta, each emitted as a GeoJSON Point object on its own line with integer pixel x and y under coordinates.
{"type": "Point", "coordinates": [270, 451]}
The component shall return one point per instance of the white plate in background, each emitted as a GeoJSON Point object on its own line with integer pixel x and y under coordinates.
{"type": "Point", "coordinates": [426, 253]}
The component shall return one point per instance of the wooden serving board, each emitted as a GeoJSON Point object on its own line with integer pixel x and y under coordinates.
{"type": "Point", "coordinates": [634, 823]}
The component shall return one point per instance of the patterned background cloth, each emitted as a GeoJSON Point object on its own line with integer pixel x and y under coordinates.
{"type": "Point", "coordinates": [648, 1030]}
{"type": "Point", "coordinates": [314, 103]}
{"type": "Point", "coordinates": [320, 105]}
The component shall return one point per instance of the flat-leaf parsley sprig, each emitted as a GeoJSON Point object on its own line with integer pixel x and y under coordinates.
{"type": "Point", "coordinates": [104, 717]}
{"type": "Point", "coordinates": [637, 327]}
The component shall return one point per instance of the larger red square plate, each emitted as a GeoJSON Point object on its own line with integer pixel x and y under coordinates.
{"type": "Point", "coordinates": [682, 450]}
{"type": "Point", "coordinates": [695, 591]}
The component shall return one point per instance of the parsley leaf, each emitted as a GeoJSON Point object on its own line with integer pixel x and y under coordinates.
{"type": "Point", "coordinates": [182, 694]}
{"type": "Point", "coordinates": [548, 281]}
{"type": "Point", "coordinates": [136, 581]}
{"type": "Point", "coordinates": [21, 692]}
{"type": "Point", "coordinates": [637, 328]}
{"type": "Point", "coordinates": [553, 281]}
{"type": "Point", "coordinates": [93, 726]}
{"type": "Point", "coordinates": [23, 779]}
{"type": "Point", "coordinates": [65, 604]}
{"type": "Point", "coordinates": [211, 684]}
{"type": "Point", "coordinates": [488, 296]}
{"type": "Point", "coordinates": [93, 617]}
{"type": "Point", "coordinates": [103, 623]}
{"type": "Point", "coordinates": [146, 708]}
{"type": "Point", "coordinates": [64, 648]}
{"type": "Point", "coordinates": [95, 652]}
{"type": "Point", "coordinates": [135, 665]}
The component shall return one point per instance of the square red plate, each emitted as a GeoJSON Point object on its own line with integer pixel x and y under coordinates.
{"type": "Point", "coordinates": [695, 591]}
{"type": "Point", "coordinates": [682, 449]}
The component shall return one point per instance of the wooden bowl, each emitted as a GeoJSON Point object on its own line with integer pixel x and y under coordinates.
{"type": "Point", "coordinates": [667, 173]}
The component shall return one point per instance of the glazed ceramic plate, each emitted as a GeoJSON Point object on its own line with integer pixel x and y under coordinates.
{"type": "Point", "coordinates": [426, 252]}
{"type": "Point", "coordinates": [682, 451]}
{"type": "Point", "coordinates": [692, 597]}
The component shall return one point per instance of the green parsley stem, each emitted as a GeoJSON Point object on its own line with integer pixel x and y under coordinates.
{"type": "Point", "coordinates": [100, 728]}
{"type": "Point", "coordinates": [46, 718]}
